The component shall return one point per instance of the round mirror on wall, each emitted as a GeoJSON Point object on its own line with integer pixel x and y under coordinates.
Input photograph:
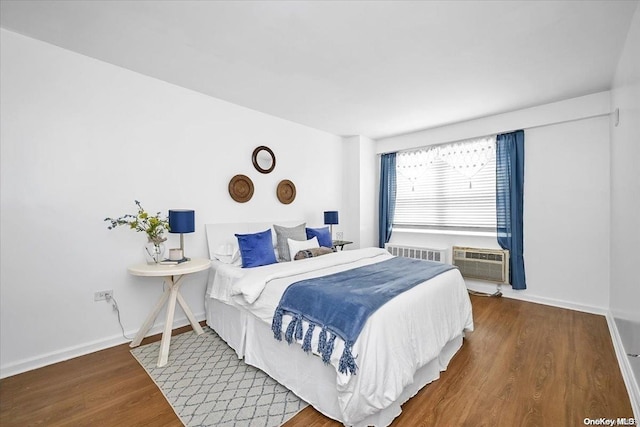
{"type": "Point", "coordinates": [263, 159]}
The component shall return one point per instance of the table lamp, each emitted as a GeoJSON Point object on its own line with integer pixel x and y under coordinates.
{"type": "Point", "coordinates": [330, 218]}
{"type": "Point", "coordinates": [182, 221]}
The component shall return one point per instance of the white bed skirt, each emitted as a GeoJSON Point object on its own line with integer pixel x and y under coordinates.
{"type": "Point", "coordinates": [305, 374]}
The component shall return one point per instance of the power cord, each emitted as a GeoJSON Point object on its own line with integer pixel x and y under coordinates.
{"type": "Point", "coordinates": [116, 308]}
{"type": "Point", "coordinates": [497, 293]}
{"type": "Point", "coordinates": [114, 304]}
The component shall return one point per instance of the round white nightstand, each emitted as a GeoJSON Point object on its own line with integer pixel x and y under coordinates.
{"type": "Point", "coordinates": [173, 275]}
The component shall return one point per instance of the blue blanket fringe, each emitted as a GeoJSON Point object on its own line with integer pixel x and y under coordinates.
{"type": "Point", "coordinates": [322, 340]}
{"type": "Point", "coordinates": [288, 335]}
{"type": "Point", "coordinates": [347, 362]}
{"type": "Point", "coordinates": [328, 349]}
{"type": "Point", "coordinates": [276, 325]}
{"type": "Point", "coordinates": [298, 332]}
{"type": "Point", "coordinates": [306, 344]}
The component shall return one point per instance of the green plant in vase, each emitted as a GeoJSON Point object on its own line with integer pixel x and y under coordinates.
{"type": "Point", "coordinates": [153, 225]}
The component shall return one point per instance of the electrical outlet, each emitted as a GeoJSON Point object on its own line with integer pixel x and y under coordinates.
{"type": "Point", "coordinates": [103, 295]}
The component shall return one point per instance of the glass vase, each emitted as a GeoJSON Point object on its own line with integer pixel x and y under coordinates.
{"type": "Point", "coordinates": [154, 252]}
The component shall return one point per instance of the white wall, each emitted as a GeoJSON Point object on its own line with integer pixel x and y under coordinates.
{"type": "Point", "coordinates": [80, 140]}
{"type": "Point", "coordinates": [360, 202]}
{"type": "Point", "coordinates": [566, 202]}
{"type": "Point", "coordinates": [369, 188]}
{"type": "Point", "coordinates": [625, 199]}
{"type": "Point", "coordinates": [350, 216]}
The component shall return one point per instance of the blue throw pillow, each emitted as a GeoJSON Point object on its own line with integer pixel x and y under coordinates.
{"type": "Point", "coordinates": [323, 235]}
{"type": "Point", "coordinates": [256, 249]}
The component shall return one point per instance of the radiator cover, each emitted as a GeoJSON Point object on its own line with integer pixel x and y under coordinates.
{"type": "Point", "coordinates": [429, 254]}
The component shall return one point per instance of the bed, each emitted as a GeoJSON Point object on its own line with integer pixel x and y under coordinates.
{"type": "Point", "coordinates": [403, 346]}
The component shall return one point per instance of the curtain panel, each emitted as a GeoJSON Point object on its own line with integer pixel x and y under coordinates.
{"type": "Point", "coordinates": [387, 197]}
{"type": "Point", "coordinates": [510, 202]}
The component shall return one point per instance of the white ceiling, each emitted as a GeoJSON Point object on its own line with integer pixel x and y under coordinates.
{"type": "Point", "coordinates": [373, 68]}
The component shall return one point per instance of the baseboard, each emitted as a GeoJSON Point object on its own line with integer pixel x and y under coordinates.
{"type": "Point", "coordinates": [633, 388]}
{"type": "Point", "coordinates": [83, 349]}
{"type": "Point", "coordinates": [507, 292]}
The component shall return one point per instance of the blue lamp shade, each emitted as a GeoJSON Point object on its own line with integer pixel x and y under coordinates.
{"type": "Point", "coordinates": [182, 221]}
{"type": "Point", "coordinates": [330, 217]}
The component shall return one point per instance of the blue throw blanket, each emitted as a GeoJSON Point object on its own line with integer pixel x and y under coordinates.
{"type": "Point", "coordinates": [341, 303]}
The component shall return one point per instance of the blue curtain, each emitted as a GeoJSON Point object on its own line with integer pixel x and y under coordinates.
{"type": "Point", "coordinates": [509, 202]}
{"type": "Point", "coordinates": [387, 196]}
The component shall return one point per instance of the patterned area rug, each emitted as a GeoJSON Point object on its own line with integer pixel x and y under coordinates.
{"type": "Point", "coordinates": [207, 385]}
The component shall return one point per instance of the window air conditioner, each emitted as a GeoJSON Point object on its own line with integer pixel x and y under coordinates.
{"type": "Point", "coordinates": [491, 265]}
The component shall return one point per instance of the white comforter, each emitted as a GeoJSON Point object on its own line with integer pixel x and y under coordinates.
{"type": "Point", "coordinates": [397, 340]}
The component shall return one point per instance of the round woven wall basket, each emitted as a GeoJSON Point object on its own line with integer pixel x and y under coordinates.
{"type": "Point", "coordinates": [241, 188]}
{"type": "Point", "coordinates": [286, 191]}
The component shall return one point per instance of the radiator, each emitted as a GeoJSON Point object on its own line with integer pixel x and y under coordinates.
{"type": "Point", "coordinates": [491, 265]}
{"type": "Point", "coordinates": [438, 255]}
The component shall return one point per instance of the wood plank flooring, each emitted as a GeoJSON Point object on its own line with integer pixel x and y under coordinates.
{"type": "Point", "coordinates": [524, 365]}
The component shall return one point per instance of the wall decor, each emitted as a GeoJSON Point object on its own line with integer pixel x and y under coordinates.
{"type": "Point", "coordinates": [263, 159]}
{"type": "Point", "coordinates": [241, 188]}
{"type": "Point", "coordinates": [286, 191]}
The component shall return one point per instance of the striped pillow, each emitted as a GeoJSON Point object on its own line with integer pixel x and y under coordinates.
{"type": "Point", "coordinates": [313, 252]}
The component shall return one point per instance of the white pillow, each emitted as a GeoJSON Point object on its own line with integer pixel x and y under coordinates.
{"type": "Point", "coordinates": [228, 254]}
{"type": "Point", "coordinates": [299, 245]}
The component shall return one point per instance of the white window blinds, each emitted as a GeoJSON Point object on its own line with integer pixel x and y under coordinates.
{"type": "Point", "coordinates": [450, 186]}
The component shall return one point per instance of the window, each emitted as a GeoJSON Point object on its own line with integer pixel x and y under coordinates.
{"type": "Point", "coordinates": [448, 187]}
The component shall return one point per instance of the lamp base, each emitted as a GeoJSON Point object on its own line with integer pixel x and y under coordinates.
{"type": "Point", "coordinates": [182, 247]}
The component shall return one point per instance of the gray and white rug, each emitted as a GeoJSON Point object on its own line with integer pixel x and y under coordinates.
{"type": "Point", "coordinates": [207, 385]}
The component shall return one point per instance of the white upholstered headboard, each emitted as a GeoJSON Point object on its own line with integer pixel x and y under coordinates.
{"type": "Point", "coordinates": [224, 234]}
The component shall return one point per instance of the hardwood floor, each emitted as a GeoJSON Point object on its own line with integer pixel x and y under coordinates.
{"type": "Point", "coordinates": [525, 364]}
